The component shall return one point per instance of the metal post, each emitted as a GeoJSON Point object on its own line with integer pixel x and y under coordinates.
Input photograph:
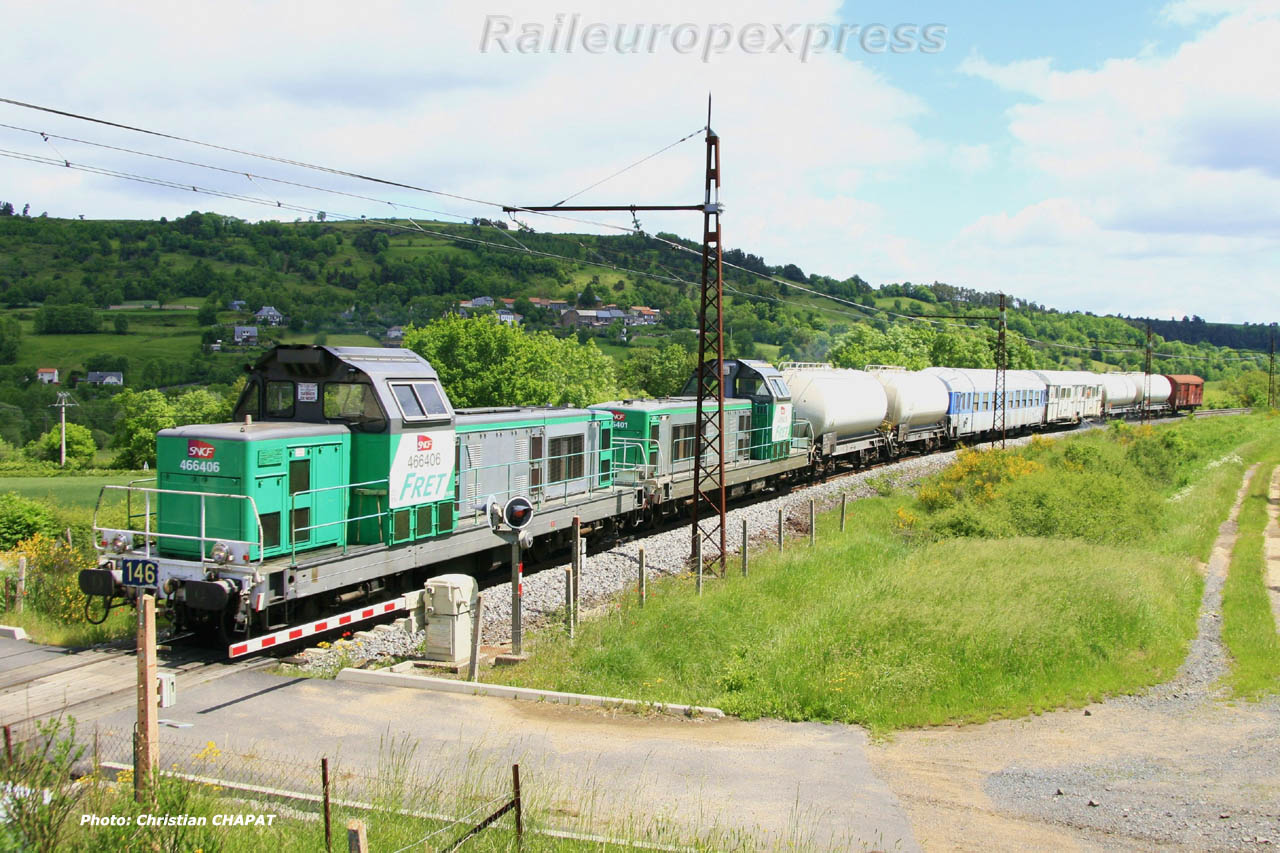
{"type": "Point", "coordinates": [844, 506]}
{"type": "Point", "coordinates": [477, 621]}
{"type": "Point", "coordinates": [146, 751]}
{"type": "Point", "coordinates": [813, 524]}
{"type": "Point", "coordinates": [517, 596]}
{"type": "Point", "coordinates": [576, 565]}
{"type": "Point", "coordinates": [1146, 381]}
{"type": "Point", "coordinates": [22, 583]}
{"type": "Point", "coordinates": [568, 602]}
{"type": "Point", "coordinates": [515, 787]}
{"type": "Point", "coordinates": [324, 783]}
{"type": "Point", "coordinates": [780, 530]}
{"type": "Point", "coordinates": [1271, 371]}
{"type": "Point", "coordinates": [745, 551]}
{"type": "Point", "coordinates": [697, 561]}
{"type": "Point", "coordinates": [643, 580]}
{"type": "Point", "coordinates": [708, 459]}
{"type": "Point", "coordinates": [1002, 374]}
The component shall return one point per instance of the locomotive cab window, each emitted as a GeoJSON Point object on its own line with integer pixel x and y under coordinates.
{"type": "Point", "coordinates": [419, 400]}
{"type": "Point", "coordinates": [279, 399]}
{"type": "Point", "coordinates": [356, 403]}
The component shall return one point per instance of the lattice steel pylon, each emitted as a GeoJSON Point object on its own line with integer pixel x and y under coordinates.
{"type": "Point", "coordinates": [1002, 375]}
{"type": "Point", "coordinates": [708, 510]}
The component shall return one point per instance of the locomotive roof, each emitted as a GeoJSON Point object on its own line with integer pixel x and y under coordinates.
{"type": "Point", "coordinates": [374, 361]}
{"type": "Point", "coordinates": [256, 431]}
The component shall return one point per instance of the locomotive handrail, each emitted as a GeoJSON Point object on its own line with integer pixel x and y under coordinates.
{"type": "Point", "coordinates": [592, 475]}
{"type": "Point", "coordinates": [147, 533]}
{"type": "Point", "coordinates": [346, 487]}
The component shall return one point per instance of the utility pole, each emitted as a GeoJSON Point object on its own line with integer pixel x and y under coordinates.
{"type": "Point", "coordinates": [1146, 390]}
{"type": "Point", "coordinates": [1002, 374]}
{"type": "Point", "coordinates": [64, 400]}
{"type": "Point", "coordinates": [708, 472]}
{"type": "Point", "coordinates": [1271, 369]}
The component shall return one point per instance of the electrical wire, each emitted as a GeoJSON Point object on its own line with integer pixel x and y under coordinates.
{"type": "Point", "coordinates": [632, 166]}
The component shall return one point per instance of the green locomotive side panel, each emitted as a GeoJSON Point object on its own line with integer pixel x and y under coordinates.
{"type": "Point", "coordinates": [296, 478]}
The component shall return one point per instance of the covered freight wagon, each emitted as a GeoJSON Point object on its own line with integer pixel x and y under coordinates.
{"type": "Point", "coordinates": [1187, 391]}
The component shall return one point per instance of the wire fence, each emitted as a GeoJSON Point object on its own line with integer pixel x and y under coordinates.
{"type": "Point", "coordinates": [404, 803]}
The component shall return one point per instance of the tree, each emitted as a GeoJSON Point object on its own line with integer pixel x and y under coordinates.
{"type": "Point", "coordinates": [80, 446]}
{"type": "Point", "coordinates": [201, 406]}
{"type": "Point", "coordinates": [121, 324]}
{"type": "Point", "coordinates": [207, 315]}
{"type": "Point", "coordinates": [142, 415]}
{"type": "Point", "coordinates": [10, 338]}
{"type": "Point", "coordinates": [6, 209]}
{"type": "Point", "coordinates": [482, 362]}
{"type": "Point", "coordinates": [587, 298]}
{"type": "Point", "coordinates": [658, 373]}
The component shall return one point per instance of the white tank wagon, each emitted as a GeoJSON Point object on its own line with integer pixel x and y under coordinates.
{"type": "Point", "coordinates": [845, 408]}
{"type": "Point", "coordinates": [1157, 389]}
{"type": "Point", "coordinates": [917, 405]}
{"type": "Point", "coordinates": [1120, 393]}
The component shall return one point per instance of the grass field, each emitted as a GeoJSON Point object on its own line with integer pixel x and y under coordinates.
{"type": "Point", "coordinates": [893, 624]}
{"type": "Point", "coordinates": [1248, 626]}
{"type": "Point", "coordinates": [66, 492]}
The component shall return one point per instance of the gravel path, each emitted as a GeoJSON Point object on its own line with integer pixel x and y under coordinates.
{"type": "Point", "coordinates": [1169, 767]}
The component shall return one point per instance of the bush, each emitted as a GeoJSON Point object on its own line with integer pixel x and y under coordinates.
{"type": "Point", "coordinates": [22, 518]}
{"type": "Point", "coordinates": [53, 586]}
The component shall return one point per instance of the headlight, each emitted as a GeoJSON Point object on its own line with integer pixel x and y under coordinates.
{"type": "Point", "coordinates": [220, 553]}
{"type": "Point", "coordinates": [121, 543]}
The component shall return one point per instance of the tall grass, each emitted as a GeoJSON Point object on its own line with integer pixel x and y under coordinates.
{"type": "Point", "coordinates": [1024, 583]}
{"type": "Point", "coordinates": [1248, 625]}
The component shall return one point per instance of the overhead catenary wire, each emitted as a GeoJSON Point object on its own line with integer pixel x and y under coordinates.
{"type": "Point", "coordinates": [469, 199]}
{"type": "Point", "coordinates": [186, 187]}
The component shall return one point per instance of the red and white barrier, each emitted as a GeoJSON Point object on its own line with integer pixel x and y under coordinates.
{"type": "Point", "coordinates": [288, 635]}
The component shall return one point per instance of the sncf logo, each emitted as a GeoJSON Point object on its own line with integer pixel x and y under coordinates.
{"type": "Point", "coordinates": [424, 442]}
{"type": "Point", "coordinates": [197, 449]}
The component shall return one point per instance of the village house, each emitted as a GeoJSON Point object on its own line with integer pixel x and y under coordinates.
{"type": "Point", "coordinates": [269, 315]}
{"type": "Point", "coordinates": [245, 336]}
{"type": "Point", "coordinates": [104, 377]}
{"type": "Point", "coordinates": [47, 375]}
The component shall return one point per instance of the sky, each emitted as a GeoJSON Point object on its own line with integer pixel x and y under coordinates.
{"type": "Point", "coordinates": [1114, 158]}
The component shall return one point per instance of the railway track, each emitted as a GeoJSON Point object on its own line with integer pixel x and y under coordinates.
{"type": "Point", "coordinates": [90, 683]}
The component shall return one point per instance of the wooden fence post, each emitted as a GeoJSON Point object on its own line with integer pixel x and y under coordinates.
{"type": "Point", "coordinates": [8, 744]}
{"type": "Point", "coordinates": [744, 547]}
{"type": "Point", "coordinates": [813, 524]}
{"type": "Point", "coordinates": [780, 520]}
{"type": "Point", "coordinates": [473, 668]}
{"type": "Point", "coordinates": [22, 583]}
{"type": "Point", "coordinates": [643, 591]}
{"type": "Point", "coordinates": [146, 756]}
{"type": "Point", "coordinates": [324, 784]}
{"type": "Point", "coordinates": [568, 601]}
{"type": "Point", "coordinates": [357, 840]}
{"type": "Point", "coordinates": [844, 504]}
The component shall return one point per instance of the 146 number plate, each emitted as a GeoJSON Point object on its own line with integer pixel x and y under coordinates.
{"type": "Point", "coordinates": [139, 572]}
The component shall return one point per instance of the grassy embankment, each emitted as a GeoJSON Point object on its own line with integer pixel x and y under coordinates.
{"type": "Point", "coordinates": [1019, 581]}
{"type": "Point", "coordinates": [1248, 626]}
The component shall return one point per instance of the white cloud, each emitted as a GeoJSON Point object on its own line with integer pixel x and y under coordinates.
{"type": "Point", "coordinates": [1164, 162]}
{"type": "Point", "coordinates": [401, 91]}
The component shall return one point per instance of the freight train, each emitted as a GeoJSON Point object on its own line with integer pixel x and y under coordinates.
{"type": "Point", "coordinates": [346, 477]}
